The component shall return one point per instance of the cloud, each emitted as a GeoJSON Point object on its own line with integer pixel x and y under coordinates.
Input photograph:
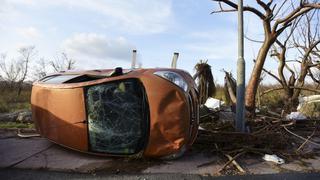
{"type": "Point", "coordinates": [7, 13]}
{"type": "Point", "coordinates": [29, 32]}
{"type": "Point", "coordinates": [215, 44]}
{"type": "Point", "coordinates": [3, 7]}
{"type": "Point", "coordinates": [135, 16]}
{"type": "Point", "coordinates": [97, 46]}
{"type": "Point", "coordinates": [138, 16]}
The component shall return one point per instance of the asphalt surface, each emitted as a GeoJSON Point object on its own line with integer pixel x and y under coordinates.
{"type": "Point", "coordinates": [14, 174]}
{"type": "Point", "coordinates": [37, 158]}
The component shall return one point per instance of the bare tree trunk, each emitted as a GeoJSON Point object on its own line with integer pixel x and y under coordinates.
{"type": "Point", "coordinates": [253, 83]}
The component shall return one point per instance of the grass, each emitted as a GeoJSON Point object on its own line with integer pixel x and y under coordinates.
{"type": "Point", "coordinates": [10, 101]}
{"type": "Point", "coordinates": [10, 125]}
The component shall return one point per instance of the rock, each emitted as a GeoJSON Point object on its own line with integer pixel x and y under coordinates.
{"type": "Point", "coordinates": [9, 117]}
{"type": "Point", "coordinates": [24, 117]}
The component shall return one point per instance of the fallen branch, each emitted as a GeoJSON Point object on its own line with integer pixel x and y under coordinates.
{"type": "Point", "coordinates": [306, 141]}
{"type": "Point", "coordinates": [232, 159]}
{"type": "Point", "coordinates": [234, 162]}
{"type": "Point", "coordinates": [274, 113]}
{"type": "Point", "coordinates": [264, 116]}
{"type": "Point", "coordinates": [314, 143]}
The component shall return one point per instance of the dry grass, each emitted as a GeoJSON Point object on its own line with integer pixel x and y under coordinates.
{"type": "Point", "coordinates": [220, 93]}
{"type": "Point", "coordinates": [271, 100]}
{"type": "Point", "coordinates": [274, 100]}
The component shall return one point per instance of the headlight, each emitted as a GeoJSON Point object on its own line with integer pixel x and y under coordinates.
{"type": "Point", "coordinates": [174, 78]}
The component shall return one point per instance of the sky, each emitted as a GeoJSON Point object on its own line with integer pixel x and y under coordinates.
{"type": "Point", "coordinates": [101, 34]}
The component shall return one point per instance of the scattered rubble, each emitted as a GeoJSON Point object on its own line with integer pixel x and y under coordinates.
{"type": "Point", "coordinates": [24, 117]}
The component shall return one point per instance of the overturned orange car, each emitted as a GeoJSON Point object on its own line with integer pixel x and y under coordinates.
{"type": "Point", "coordinates": [150, 112]}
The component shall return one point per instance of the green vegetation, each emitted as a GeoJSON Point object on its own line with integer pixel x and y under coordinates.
{"type": "Point", "coordinates": [10, 101]}
{"type": "Point", "coordinates": [8, 125]}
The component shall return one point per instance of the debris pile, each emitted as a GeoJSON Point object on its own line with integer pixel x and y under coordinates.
{"type": "Point", "coordinates": [267, 136]}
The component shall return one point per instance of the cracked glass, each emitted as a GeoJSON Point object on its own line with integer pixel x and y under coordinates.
{"type": "Point", "coordinates": [116, 117]}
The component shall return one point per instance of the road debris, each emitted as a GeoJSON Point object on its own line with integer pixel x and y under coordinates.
{"type": "Point", "coordinates": [27, 134]}
{"type": "Point", "coordinates": [296, 116]}
{"type": "Point", "coordinates": [213, 103]}
{"type": "Point", "coordinates": [273, 158]}
{"type": "Point", "coordinates": [270, 137]}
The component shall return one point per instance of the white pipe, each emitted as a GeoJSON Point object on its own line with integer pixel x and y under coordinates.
{"type": "Point", "coordinates": [134, 59]}
{"type": "Point", "coordinates": [174, 60]}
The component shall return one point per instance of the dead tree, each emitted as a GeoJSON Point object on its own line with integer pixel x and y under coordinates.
{"type": "Point", "coordinates": [307, 42]}
{"type": "Point", "coordinates": [10, 72]}
{"type": "Point", "coordinates": [206, 86]}
{"type": "Point", "coordinates": [15, 73]}
{"type": "Point", "coordinates": [303, 38]}
{"type": "Point", "coordinates": [230, 90]}
{"type": "Point", "coordinates": [275, 19]}
{"type": "Point", "coordinates": [62, 63]}
{"type": "Point", "coordinates": [27, 53]}
{"type": "Point", "coordinates": [40, 69]}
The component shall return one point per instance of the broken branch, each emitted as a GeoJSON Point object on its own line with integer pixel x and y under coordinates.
{"type": "Point", "coordinates": [296, 135]}
{"type": "Point", "coordinates": [232, 159]}
{"type": "Point", "coordinates": [306, 141]}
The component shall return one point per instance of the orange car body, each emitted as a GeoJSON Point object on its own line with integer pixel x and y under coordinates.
{"type": "Point", "coordinates": [73, 108]}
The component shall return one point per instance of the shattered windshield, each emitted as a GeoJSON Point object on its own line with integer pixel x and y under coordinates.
{"type": "Point", "coordinates": [117, 117]}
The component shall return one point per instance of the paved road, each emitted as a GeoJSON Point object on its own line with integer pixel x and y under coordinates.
{"type": "Point", "coordinates": [15, 174]}
{"type": "Point", "coordinates": [17, 154]}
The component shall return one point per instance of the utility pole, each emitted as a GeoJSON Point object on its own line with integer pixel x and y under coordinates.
{"type": "Point", "coordinates": [240, 111]}
{"type": "Point", "coordinates": [134, 59]}
{"type": "Point", "coordinates": [174, 60]}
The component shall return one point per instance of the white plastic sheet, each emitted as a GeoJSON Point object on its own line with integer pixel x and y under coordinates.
{"type": "Point", "coordinates": [296, 116]}
{"type": "Point", "coordinates": [213, 103]}
{"type": "Point", "coordinates": [273, 158]}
